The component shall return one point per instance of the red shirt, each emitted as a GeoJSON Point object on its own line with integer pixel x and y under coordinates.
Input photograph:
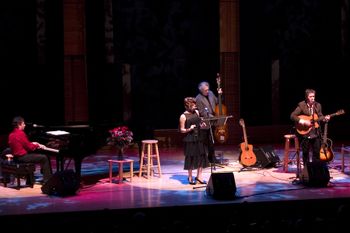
{"type": "Point", "coordinates": [19, 143]}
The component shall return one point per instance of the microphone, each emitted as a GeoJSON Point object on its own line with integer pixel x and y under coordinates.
{"type": "Point", "coordinates": [37, 126]}
{"type": "Point", "coordinates": [207, 111]}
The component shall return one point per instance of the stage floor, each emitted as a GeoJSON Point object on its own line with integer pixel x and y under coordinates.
{"type": "Point", "coordinates": [172, 189]}
{"type": "Point", "coordinates": [255, 185]}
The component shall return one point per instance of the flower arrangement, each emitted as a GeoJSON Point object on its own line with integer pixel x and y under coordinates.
{"type": "Point", "coordinates": [121, 137]}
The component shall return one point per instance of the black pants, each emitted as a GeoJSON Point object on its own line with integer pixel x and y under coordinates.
{"type": "Point", "coordinates": [314, 144]}
{"type": "Point", "coordinates": [41, 159]}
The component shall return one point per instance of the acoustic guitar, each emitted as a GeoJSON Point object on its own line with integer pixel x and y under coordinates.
{"type": "Point", "coordinates": [247, 156]}
{"type": "Point", "coordinates": [221, 132]}
{"type": "Point", "coordinates": [305, 129]}
{"type": "Point", "coordinates": [326, 152]}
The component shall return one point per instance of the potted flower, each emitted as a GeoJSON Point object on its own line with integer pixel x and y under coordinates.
{"type": "Point", "coordinates": [120, 137]}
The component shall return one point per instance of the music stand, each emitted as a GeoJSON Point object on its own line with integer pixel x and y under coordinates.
{"type": "Point", "coordinates": [215, 121]}
{"type": "Point", "coordinates": [210, 121]}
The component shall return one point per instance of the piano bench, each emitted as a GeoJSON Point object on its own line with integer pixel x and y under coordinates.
{"type": "Point", "coordinates": [18, 170]}
{"type": "Point", "coordinates": [120, 164]}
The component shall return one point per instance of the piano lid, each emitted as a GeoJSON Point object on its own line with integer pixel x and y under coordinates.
{"type": "Point", "coordinates": [71, 126]}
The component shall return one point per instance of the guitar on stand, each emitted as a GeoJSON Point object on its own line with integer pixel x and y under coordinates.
{"type": "Point", "coordinates": [326, 152]}
{"type": "Point", "coordinates": [221, 132]}
{"type": "Point", "coordinates": [247, 157]}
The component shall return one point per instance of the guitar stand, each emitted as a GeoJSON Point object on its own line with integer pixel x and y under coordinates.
{"type": "Point", "coordinates": [250, 168]}
{"type": "Point", "coordinates": [217, 165]}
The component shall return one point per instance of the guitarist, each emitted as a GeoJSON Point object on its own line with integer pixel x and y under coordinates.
{"type": "Point", "coordinates": [308, 115]}
{"type": "Point", "coordinates": [206, 102]}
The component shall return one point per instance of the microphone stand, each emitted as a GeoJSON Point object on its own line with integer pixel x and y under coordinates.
{"type": "Point", "coordinates": [211, 165]}
{"type": "Point", "coordinates": [212, 141]}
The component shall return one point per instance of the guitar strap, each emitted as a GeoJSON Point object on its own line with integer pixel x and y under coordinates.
{"type": "Point", "coordinates": [312, 112]}
{"type": "Point", "coordinates": [312, 134]}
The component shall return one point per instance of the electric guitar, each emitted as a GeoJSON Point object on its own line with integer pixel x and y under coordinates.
{"type": "Point", "coordinates": [247, 156]}
{"type": "Point", "coordinates": [305, 129]}
{"type": "Point", "coordinates": [326, 152]}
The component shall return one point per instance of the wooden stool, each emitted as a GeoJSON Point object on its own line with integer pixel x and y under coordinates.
{"type": "Point", "coordinates": [120, 164]}
{"type": "Point", "coordinates": [344, 149]}
{"type": "Point", "coordinates": [287, 150]}
{"type": "Point", "coordinates": [148, 157]}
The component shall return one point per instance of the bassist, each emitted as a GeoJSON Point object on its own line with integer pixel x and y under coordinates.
{"type": "Point", "coordinates": [307, 116]}
{"type": "Point", "coordinates": [206, 102]}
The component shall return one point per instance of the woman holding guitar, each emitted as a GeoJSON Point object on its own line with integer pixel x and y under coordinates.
{"type": "Point", "coordinates": [307, 116]}
{"type": "Point", "coordinates": [206, 103]}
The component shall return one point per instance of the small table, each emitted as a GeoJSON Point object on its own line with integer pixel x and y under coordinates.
{"type": "Point", "coordinates": [120, 164]}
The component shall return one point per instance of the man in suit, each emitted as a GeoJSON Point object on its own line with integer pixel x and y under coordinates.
{"type": "Point", "coordinates": [308, 115]}
{"type": "Point", "coordinates": [206, 102]}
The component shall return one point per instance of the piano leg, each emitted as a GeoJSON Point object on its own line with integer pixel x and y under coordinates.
{"type": "Point", "coordinates": [77, 166]}
{"type": "Point", "coordinates": [49, 158]}
{"type": "Point", "coordinates": [59, 163]}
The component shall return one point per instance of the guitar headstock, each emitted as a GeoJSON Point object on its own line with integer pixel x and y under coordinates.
{"type": "Point", "coordinates": [340, 112]}
{"type": "Point", "coordinates": [241, 122]}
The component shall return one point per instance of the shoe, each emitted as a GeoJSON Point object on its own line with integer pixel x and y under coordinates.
{"type": "Point", "coordinates": [201, 181]}
{"type": "Point", "coordinates": [191, 182]}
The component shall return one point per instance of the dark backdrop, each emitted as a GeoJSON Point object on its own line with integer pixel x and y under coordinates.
{"type": "Point", "coordinates": [30, 88]}
{"type": "Point", "coordinates": [172, 45]}
{"type": "Point", "coordinates": [306, 38]}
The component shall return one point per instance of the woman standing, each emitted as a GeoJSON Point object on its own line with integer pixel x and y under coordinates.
{"type": "Point", "coordinates": [196, 153]}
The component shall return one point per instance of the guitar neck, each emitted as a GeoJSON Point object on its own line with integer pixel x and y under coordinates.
{"type": "Point", "coordinates": [220, 105]}
{"type": "Point", "coordinates": [333, 114]}
{"type": "Point", "coordinates": [245, 137]}
{"type": "Point", "coordinates": [218, 81]}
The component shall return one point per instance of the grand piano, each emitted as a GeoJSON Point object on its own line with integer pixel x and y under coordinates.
{"type": "Point", "coordinates": [70, 142]}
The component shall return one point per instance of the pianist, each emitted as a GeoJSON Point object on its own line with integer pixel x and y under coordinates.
{"type": "Point", "coordinates": [24, 150]}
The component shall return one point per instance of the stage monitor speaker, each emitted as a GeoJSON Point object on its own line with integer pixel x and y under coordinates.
{"type": "Point", "coordinates": [315, 174]}
{"type": "Point", "coordinates": [62, 183]}
{"type": "Point", "coordinates": [222, 185]}
{"type": "Point", "coordinates": [265, 157]}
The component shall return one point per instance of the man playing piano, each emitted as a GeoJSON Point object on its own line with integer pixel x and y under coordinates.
{"type": "Point", "coordinates": [24, 150]}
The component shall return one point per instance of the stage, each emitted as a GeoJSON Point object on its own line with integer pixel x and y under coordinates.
{"type": "Point", "coordinates": [263, 196]}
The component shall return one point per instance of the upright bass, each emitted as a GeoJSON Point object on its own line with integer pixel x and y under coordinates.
{"type": "Point", "coordinates": [221, 132]}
